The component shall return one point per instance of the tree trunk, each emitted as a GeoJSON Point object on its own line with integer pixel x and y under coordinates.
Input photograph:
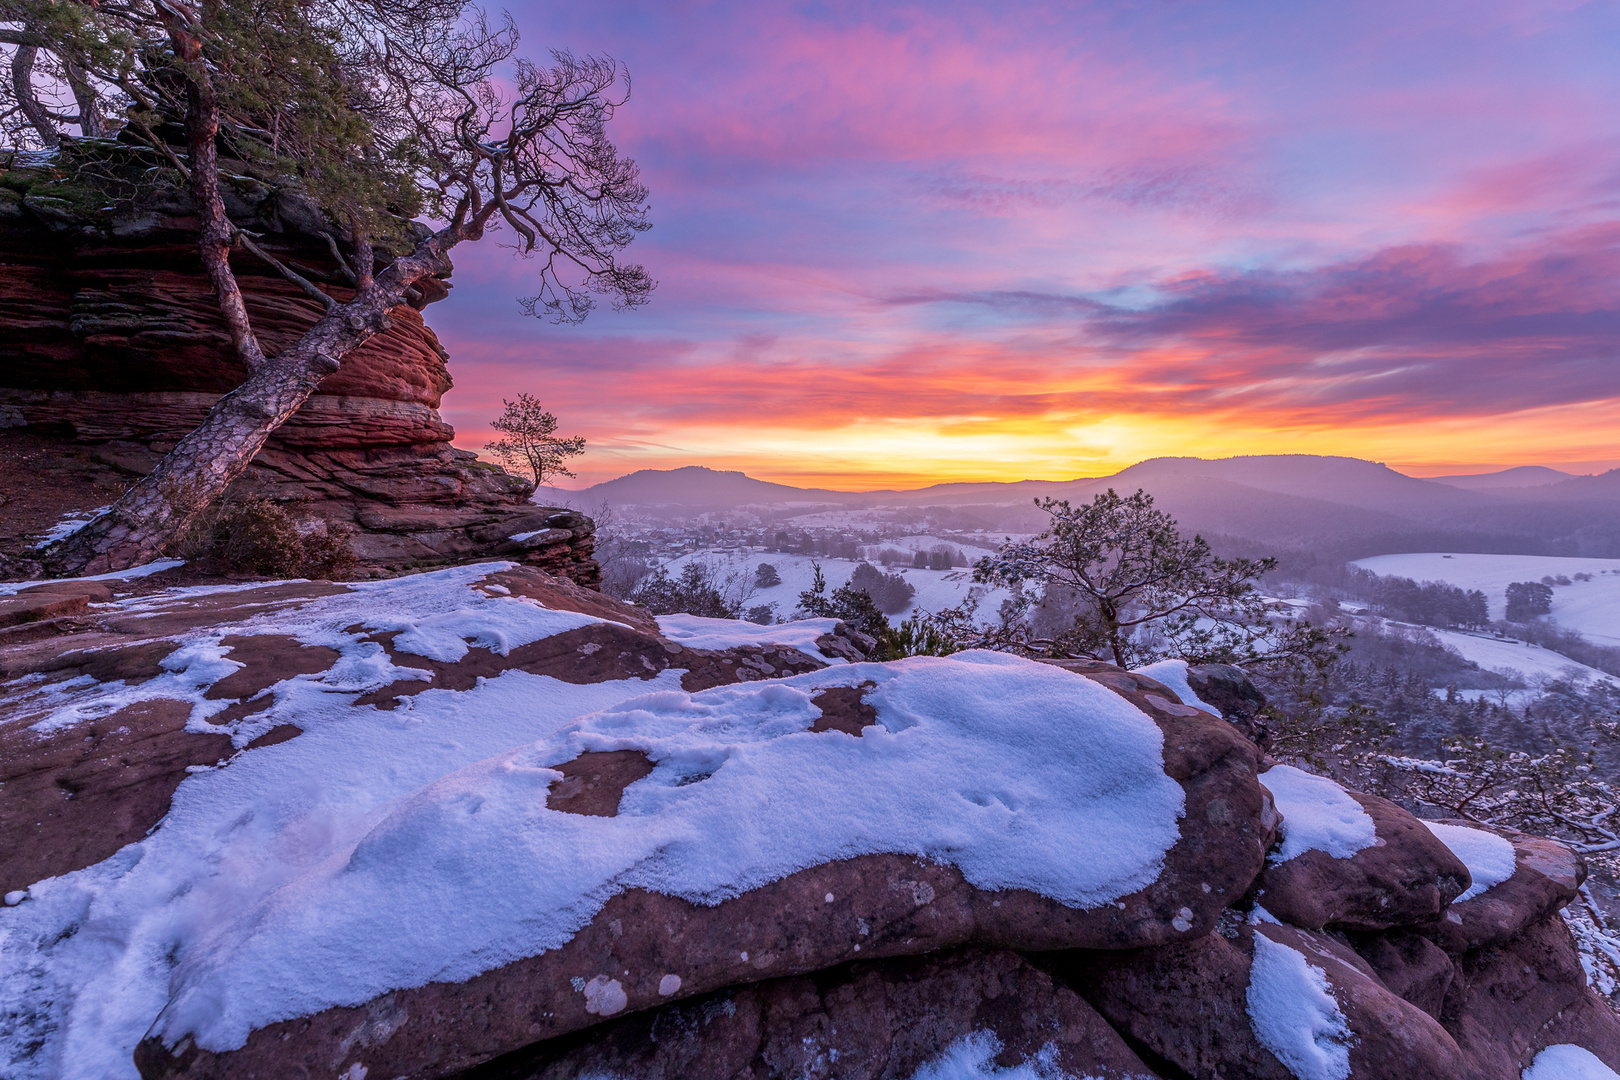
{"type": "Point", "coordinates": [22, 85]}
{"type": "Point", "coordinates": [91, 125]}
{"type": "Point", "coordinates": [156, 512]}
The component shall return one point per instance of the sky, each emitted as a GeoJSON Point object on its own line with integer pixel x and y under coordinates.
{"type": "Point", "coordinates": [902, 244]}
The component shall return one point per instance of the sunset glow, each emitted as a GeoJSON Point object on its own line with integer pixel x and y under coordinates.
{"type": "Point", "coordinates": [899, 245]}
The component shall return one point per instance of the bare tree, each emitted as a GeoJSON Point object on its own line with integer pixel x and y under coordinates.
{"type": "Point", "coordinates": [379, 109]}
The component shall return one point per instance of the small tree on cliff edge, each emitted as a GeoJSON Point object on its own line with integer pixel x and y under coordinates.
{"type": "Point", "coordinates": [377, 109]}
{"type": "Point", "coordinates": [1145, 591]}
{"type": "Point", "coordinates": [531, 442]}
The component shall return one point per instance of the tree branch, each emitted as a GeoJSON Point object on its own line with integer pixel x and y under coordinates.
{"type": "Point", "coordinates": [310, 289]}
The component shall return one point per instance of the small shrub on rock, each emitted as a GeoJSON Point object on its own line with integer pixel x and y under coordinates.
{"type": "Point", "coordinates": [699, 590]}
{"type": "Point", "coordinates": [256, 536]}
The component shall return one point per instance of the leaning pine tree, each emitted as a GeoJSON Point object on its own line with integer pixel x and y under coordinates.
{"type": "Point", "coordinates": [379, 110]}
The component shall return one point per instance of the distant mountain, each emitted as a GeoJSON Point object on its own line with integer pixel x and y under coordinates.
{"type": "Point", "coordinates": [1604, 487]}
{"type": "Point", "coordinates": [1524, 476]}
{"type": "Point", "coordinates": [698, 488]}
{"type": "Point", "coordinates": [1343, 480]}
{"type": "Point", "coordinates": [1305, 502]}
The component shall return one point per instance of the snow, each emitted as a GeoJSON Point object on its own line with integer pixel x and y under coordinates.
{"type": "Point", "coordinates": [1592, 607]}
{"type": "Point", "coordinates": [1532, 661]}
{"type": "Point", "coordinates": [981, 760]}
{"type": "Point", "coordinates": [1318, 815]}
{"type": "Point", "coordinates": [437, 615]}
{"type": "Point", "coordinates": [972, 1057]}
{"type": "Point", "coordinates": [83, 957]}
{"type": "Point", "coordinates": [1489, 857]}
{"type": "Point", "coordinates": [700, 633]}
{"type": "Point", "coordinates": [971, 552]}
{"type": "Point", "coordinates": [1173, 673]}
{"type": "Point", "coordinates": [1293, 1013]}
{"type": "Point", "coordinates": [333, 867]}
{"type": "Point", "coordinates": [71, 523]}
{"type": "Point", "coordinates": [1565, 1061]}
{"type": "Point", "coordinates": [12, 588]}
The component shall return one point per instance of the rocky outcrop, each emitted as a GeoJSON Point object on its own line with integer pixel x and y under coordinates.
{"type": "Point", "coordinates": [75, 796]}
{"type": "Point", "coordinates": [110, 337]}
{"type": "Point", "coordinates": [867, 963]}
{"type": "Point", "coordinates": [1406, 877]}
{"type": "Point", "coordinates": [863, 1021]}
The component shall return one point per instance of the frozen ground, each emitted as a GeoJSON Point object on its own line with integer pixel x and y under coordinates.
{"type": "Point", "coordinates": [936, 589]}
{"type": "Point", "coordinates": [1592, 607]}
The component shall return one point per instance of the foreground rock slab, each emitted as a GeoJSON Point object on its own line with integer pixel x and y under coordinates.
{"type": "Point", "coordinates": [866, 1021]}
{"type": "Point", "coordinates": [643, 948]}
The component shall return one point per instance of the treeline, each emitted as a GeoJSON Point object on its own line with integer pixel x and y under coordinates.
{"type": "Point", "coordinates": [938, 557]}
{"type": "Point", "coordinates": [1429, 603]}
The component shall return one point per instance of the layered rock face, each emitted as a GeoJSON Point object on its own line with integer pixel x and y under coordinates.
{"type": "Point", "coordinates": [484, 822]}
{"type": "Point", "coordinates": [112, 337]}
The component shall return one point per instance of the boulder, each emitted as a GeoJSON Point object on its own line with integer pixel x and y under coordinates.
{"type": "Point", "coordinates": [1230, 690]}
{"type": "Point", "coordinates": [1209, 1009]}
{"type": "Point", "coordinates": [1513, 997]}
{"type": "Point", "coordinates": [643, 949]}
{"type": "Point", "coordinates": [1546, 877]}
{"type": "Point", "coordinates": [1408, 876]}
{"type": "Point", "coordinates": [864, 1021]}
{"type": "Point", "coordinates": [1410, 965]}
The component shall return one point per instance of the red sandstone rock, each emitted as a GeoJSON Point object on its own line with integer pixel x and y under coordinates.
{"type": "Point", "coordinates": [50, 601]}
{"type": "Point", "coordinates": [1187, 1004]}
{"type": "Point", "coordinates": [1407, 877]}
{"type": "Point", "coordinates": [70, 799]}
{"type": "Point", "coordinates": [643, 949]}
{"type": "Point", "coordinates": [113, 335]}
{"type": "Point", "coordinates": [1412, 966]}
{"type": "Point", "coordinates": [868, 1021]}
{"type": "Point", "coordinates": [1545, 878]}
{"type": "Point", "coordinates": [1513, 997]}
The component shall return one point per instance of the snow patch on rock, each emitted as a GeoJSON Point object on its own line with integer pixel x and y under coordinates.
{"type": "Point", "coordinates": [86, 958]}
{"type": "Point", "coordinates": [972, 1057]}
{"type": "Point", "coordinates": [985, 761]}
{"type": "Point", "coordinates": [12, 588]}
{"type": "Point", "coordinates": [1173, 673]}
{"type": "Point", "coordinates": [1489, 858]}
{"type": "Point", "coordinates": [1318, 815]}
{"type": "Point", "coordinates": [1565, 1061]}
{"type": "Point", "coordinates": [1294, 1015]}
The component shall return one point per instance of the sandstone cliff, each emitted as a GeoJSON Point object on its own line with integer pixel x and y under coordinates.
{"type": "Point", "coordinates": [110, 338]}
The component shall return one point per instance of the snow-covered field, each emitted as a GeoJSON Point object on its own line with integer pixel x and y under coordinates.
{"type": "Point", "coordinates": [1531, 661]}
{"type": "Point", "coordinates": [1592, 607]}
{"type": "Point", "coordinates": [936, 589]}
